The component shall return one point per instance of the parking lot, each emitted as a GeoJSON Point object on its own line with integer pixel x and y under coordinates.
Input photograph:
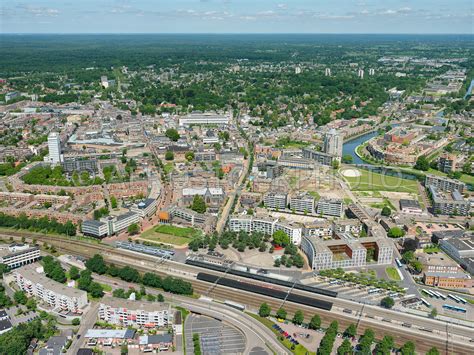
{"type": "Point", "coordinates": [215, 337]}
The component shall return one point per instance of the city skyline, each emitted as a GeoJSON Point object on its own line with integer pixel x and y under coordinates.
{"type": "Point", "coordinates": [227, 16]}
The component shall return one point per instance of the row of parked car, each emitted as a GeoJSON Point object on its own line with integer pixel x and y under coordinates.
{"type": "Point", "coordinates": [285, 334]}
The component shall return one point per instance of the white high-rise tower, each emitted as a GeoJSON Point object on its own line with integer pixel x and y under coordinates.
{"type": "Point", "coordinates": [333, 143]}
{"type": "Point", "coordinates": [360, 73]}
{"type": "Point", "coordinates": [327, 72]}
{"type": "Point", "coordinates": [54, 146]}
{"type": "Point", "coordinates": [371, 71]}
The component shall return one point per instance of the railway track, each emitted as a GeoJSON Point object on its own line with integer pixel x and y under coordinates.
{"type": "Point", "coordinates": [424, 341]}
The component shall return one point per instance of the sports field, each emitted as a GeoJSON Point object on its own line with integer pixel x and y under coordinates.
{"type": "Point", "coordinates": [369, 181]}
{"type": "Point", "coordinates": [170, 234]}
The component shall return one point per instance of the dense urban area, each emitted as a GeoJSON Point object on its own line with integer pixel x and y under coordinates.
{"type": "Point", "coordinates": [261, 194]}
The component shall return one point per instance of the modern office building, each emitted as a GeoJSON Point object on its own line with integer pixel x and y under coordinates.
{"type": "Point", "coordinates": [333, 143]}
{"type": "Point", "coordinates": [302, 203]}
{"type": "Point", "coordinates": [345, 252]}
{"type": "Point", "coordinates": [96, 229]}
{"type": "Point", "coordinates": [265, 225]}
{"type": "Point", "coordinates": [207, 118]}
{"type": "Point", "coordinates": [121, 222]}
{"type": "Point", "coordinates": [145, 208]}
{"type": "Point", "coordinates": [330, 207]}
{"type": "Point", "coordinates": [443, 183]}
{"type": "Point", "coordinates": [54, 146]}
{"type": "Point", "coordinates": [56, 295]}
{"type": "Point", "coordinates": [449, 203]}
{"type": "Point", "coordinates": [16, 255]}
{"type": "Point", "coordinates": [275, 200]}
{"type": "Point", "coordinates": [126, 313]}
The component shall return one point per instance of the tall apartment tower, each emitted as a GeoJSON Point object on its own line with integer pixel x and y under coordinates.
{"type": "Point", "coordinates": [333, 143]}
{"type": "Point", "coordinates": [371, 71]}
{"type": "Point", "coordinates": [360, 73]}
{"type": "Point", "coordinates": [298, 70]}
{"type": "Point", "coordinates": [54, 146]}
{"type": "Point", "coordinates": [327, 72]}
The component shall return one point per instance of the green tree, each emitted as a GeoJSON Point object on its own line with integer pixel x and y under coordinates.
{"type": "Point", "coordinates": [396, 232]}
{"type": "Point", "coordinates": [172, 134]}
{"type": "Point", "coordinates": [433, 351]}
{"type": "Point", "coordinates": [133, 229]}
{"type": "Point", "coordinates": [74, 273]}
{"type": "Point", "coordinates": [298, 317]}
{"type": "Point", "coordinates": [189, 156]}
{"type": "Point", "coordinates": [422, 163]}
{"type": "Point", "coordinates": [20, 297]}
{"type": "Point", "coordinates": [97, 264]}
{"type": "Point", "coordinates": [198, 205]}
{"type": "Point", "coordinates": [76, 321]}
{"type": "Point", "coordinates": [345, 348]}
{"type": "Point", "coordinates": [281, 313]}
{"type": "Point", "coordinates": [347, 159]}
{"type": "Point", "coordinates": [408, 348]}
{"type": "Point", "coordinates": [160, 298]}
{"type": "Point", "coordinates": [434, 312]}
{"type": "Point", "coordinates": [315, 322]}
{"type": "Point", "coordinates": [387, 302]}
{"type": "Point", "coordinates": [281, 238]}
{"type": "Point", "coordinates": [350, 331]}
{"type": "Point", "coordinates": [386, 211]}
{"type": "Point", "coordinates": [96, 290]}
{"type": "Point", "coordinates": [264, 310]}
{"type": "Point", "coordinates": [169, 155]}
{"type": "Point", "coordinates": [113, 202]}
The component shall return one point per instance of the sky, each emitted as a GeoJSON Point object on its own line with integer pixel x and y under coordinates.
{"type": "Point", "coordinates": [237, 16]}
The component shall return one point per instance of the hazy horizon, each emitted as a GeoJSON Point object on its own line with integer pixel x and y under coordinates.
{"type": "Point", "coordinates": [237, 17]}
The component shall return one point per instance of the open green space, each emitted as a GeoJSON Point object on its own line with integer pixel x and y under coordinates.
{"type": "Point", "coordinates": [168, 168]}
{"type": "Point", "coordinates": [298, 350]}
{"type": "Point", "coordinates": [170, 234]}
{"type": "Point", "coordinates": [370, 181]}
{"type": "Point", "coordinates": [393, 273]}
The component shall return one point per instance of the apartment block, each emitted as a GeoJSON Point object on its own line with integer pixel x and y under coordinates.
{"type": "Point", "coordinates": [265, 225]}
{"type": "Point", "coordinates": [444, 183]}
{"type": "Point", "coordinates": [449, 203]}
{"type": "Point", "coordinates": [126, 313]}
{"type": "Point", "coordinates": [330, 207]}
{"type": "Point", "coordinates": [302, 203]}
{"type": "Point", "coordinates": [275, 200]}
{"type": "Point", "coordinates": [56, 295]}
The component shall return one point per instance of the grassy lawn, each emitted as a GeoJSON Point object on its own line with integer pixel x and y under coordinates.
{"type": "Point", "coordinates": [392, 273]}
{"type": "Point", "coordinates": [299, 350]}
{"type": "Point", "coordinates": [107, 288]}
{"type": "Point", "coordinates": [315, 194]}
{"type": "Point", "coordinates": [369, 181]}
{"type": "Point", "coordinates": [432, 249]}
{"type": "Point", "coordinates": [168, 168]}
{"type": "Point", "coordinates": [170, 234]}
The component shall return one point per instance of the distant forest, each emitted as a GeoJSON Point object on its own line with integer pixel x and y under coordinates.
{"type": "Point", "coordinates": [57, 53]}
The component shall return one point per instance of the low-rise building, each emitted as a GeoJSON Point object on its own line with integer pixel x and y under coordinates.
{"type": "Point", "coordinates": [5, 322]}
{"type": "Point", "coordinates": [109, 337]}
{"type": "Point", "coordinates": [56, 295]}
{"type": "Point", "coordinates": [126, 313]}
{"type": "Point", "coordinates": [447, 163]}
{"type": "Point", "coordinates": [159, 342]}
{"type": "Point", "coordinates": [410, 206]}
{"type": "Point", "coordinates": [460, 249]}
{"type": "Point", "coordinates": [447, 279]}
